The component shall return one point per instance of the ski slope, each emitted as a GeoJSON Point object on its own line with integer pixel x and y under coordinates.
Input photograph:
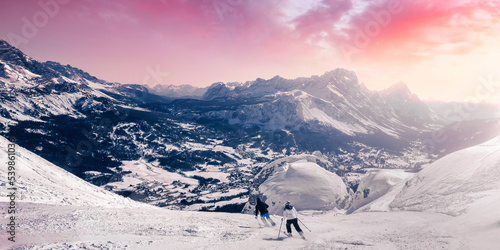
{"type": "Point", "coordinates": [455, 182]}
{"type": "Point", "coordinates": [465, 184]}
{"type": "Point", "coordinates": [59, 211]}
{"type": "Point", "coordinates": [74, 227]}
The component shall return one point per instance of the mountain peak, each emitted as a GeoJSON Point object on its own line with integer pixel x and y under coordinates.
{"type": "Point", "coordinates": [9, 53]}
{"type": "Point", "coordinates": [399, 88]}
{"type": "Point", "coordinates": [14, 56]}
{"type": "Point", "coordinates": [340, 72]}
{"type": "Point", "coordinates": [276, 77]}
{"type": "Point", "coordinates": [218, 89]}
{"type": "Point", "coordinates": [343, 78]}
{"type": "Point", "coordinates": [5, 44]}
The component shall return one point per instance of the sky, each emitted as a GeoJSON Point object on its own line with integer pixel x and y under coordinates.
{"type": "Point", "coordinates": [443, 50]}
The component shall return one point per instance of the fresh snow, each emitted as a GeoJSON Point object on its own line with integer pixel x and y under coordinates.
{"type": "Point", "coordinates": [378, 189]}
{"type": "Point", "coordinates": [74, 227]}
{"type": "Point", "coordinates": [306, 185]}
{"type": "Point", "coordinates": [465, 184]}
{"type": "Point", "coordinates": [453, 183]}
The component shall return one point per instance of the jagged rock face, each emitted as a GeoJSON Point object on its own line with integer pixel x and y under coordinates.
{"type": "Point", "coordinates": [343, 79]}
{"type": "Point", "coordinates": [72, 72]}
{"type": "Point", "coordinates": [32, 89]}
{"type": "Point", "coordinates": [15, 57]}
{"type": "Point", "coordinates": [334, 101]}
{"type": "Point", "coordinates": [407, 106]}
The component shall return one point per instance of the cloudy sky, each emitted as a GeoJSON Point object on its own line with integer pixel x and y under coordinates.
{"type": "Point", "coordinates": [444, 50]}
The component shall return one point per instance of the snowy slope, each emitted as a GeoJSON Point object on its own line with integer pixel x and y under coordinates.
{"type": "Point", "coordinates": [42, 182]}
{"type": "Point", "coordinates": [465, 184]}
{"type": "Point", "coordinates": [303, 182]}
{"type": "Point", "coordinates": [455, 182]}
{"type": "Point", "coordinates": [378, 188]}
{"type": "Point", "coordinates": [69, 227]}
{"type": "Point", "coordinates": [481, 222]}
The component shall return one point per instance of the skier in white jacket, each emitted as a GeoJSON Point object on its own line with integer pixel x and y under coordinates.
{"type": "Point", "coordinates": [290, 214]}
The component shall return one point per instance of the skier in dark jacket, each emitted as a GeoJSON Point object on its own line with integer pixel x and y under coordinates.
{"type": "Point", "coordinates": [290, 215]}
{"type": "Point", "coordinates": [261, 207]}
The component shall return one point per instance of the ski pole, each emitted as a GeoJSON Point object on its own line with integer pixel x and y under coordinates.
{"type": "Point", "coordinates": [304, 225]}
{"type": "Point", "coordinates": [281, 224]}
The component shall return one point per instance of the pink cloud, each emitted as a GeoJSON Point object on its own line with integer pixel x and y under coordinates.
{"type": "Point", "coordinates": [419, 26]}
{"type": "Point", "coordinates": [240, 39]}
{"type": "Point", "coordinates": [323, 18]}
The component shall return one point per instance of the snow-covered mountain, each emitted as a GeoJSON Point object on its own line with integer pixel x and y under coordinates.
{"type": "Point", "coordinates": [462, 134]}
{"type": "Point", "coordinates": [407, 105]}
{"type": "Point", "coordinates": [31, 89]}
{"type": "Point", "coordinates": [39, 181]}
{"type": "Point", "coordinates": [178, 91]}
{"type": "Point", "coordinates": [103, 132]}
{"type": "Point", "coordinates": [334, 101]}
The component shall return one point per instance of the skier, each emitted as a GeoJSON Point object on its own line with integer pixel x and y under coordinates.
{"type": "Point", "coordinates": [261, 207]}
{"type": "Point", "coordinates": [290, 214]}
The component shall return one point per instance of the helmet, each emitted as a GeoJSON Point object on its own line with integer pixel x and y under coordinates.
{"type": "Point", "coordinates": [287, 203]}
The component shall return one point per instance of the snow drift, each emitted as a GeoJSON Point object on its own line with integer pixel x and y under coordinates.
{"type": "Point", "coordinates": [40, 181]}
{"type": "Point", "coordinates": [455, 182]}
{"type": "Point", "coordinates": [378, 189]}
{"type": "Point", "coordinates": [302, 181]}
